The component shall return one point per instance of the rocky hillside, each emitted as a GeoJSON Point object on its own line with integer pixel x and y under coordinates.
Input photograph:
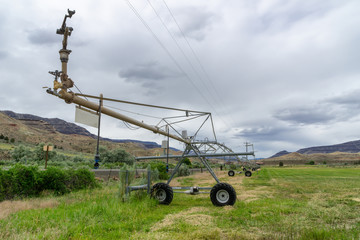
{"type": "Point", "coordinates": [61, 126]}
{"type": "Point", "coordinates": [30, 129]}
{"type": "Point", "coordinates": [349, 147]}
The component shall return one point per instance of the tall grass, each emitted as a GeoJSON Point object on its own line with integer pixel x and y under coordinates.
{"type": "Point", "coordinates": [276, 203]}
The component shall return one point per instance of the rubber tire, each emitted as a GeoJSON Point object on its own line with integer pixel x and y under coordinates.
{"type": "Point", "coordinates": [223, 194]}
{"type": "Point", "coordinates": [163, 193]}
{"type": "Point", "coordinates": [244, 169]}
{"type": "Point", "coordinates": [248, 174]}
{"type": "Point", "coordinates": [231, 173]}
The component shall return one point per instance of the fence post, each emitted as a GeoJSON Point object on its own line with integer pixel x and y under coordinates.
{"type": "Point", "coordinates": [148, 181]}
{"type": "Point", "coordinates": [127, 181]}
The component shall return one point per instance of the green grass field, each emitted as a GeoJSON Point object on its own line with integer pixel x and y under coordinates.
{"type": "Point", "coordinates": [275, 203]}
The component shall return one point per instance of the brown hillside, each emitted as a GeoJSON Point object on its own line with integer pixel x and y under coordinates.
{"type": "Point", "coordinates": [298, 158]}
{"type": "Point", "coordinates": [34, 132]}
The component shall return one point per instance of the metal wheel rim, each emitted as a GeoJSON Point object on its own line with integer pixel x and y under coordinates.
{"type": "Point", "coordinates": [161, 195]}
{"type": "Point", "coordinates": [222, 196]}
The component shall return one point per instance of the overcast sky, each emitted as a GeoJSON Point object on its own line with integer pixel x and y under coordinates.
{"type": "Point", "coordinates": [280, 74]}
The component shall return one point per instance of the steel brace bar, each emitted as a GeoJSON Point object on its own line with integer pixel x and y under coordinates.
{"type": "Point", "coordinates": [188, 148]}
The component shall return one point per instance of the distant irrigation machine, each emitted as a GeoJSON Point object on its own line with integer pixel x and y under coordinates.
{"type": "Point", "coordinates": [221, 194]}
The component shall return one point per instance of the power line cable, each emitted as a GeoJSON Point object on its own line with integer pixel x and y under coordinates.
{"type": "Point", "coordinates": [168, 53]}
{"type": "Point", "coordinates": [196, 57]}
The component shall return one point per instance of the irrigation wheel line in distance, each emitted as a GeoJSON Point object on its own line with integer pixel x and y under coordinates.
{"type": "Point", "coordinates": [231, 173]}
{"type": "Point", "coordinates": [248, 174]}
{"type": "Point", "coordinates": [223, 194]}
{"type": "Point", "coordinates": [163, 193]}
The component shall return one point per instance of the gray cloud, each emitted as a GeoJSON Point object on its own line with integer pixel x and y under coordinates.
{"type": "Point", "coordinates": [195, 22]}
{"type": "Point", "coordinates": [3, 55]}
{"type": "Point", "coordinates": [305, 115]}
{"type": "Point", "coordinates": [43, 36]}
{"type": "Point", "coordinates": [349, 99]}
{"type": "Point", "coordinates": [273, 63]}
{"type": "Point", "coordinates": [147, 73]}
{"type": "Point", "coordinates": [273, 132]}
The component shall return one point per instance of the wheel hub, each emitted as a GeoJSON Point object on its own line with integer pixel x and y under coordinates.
{"type": "Point", "coordinates": [161, 195]}
{"type": "Point", "coordinates": [222, 196]}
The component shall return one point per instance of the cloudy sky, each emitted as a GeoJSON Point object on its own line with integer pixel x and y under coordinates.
{"type": "Point", "coordinates": [281, 74]}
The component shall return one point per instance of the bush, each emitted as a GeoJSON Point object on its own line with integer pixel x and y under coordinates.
{"type": "Point", "coordinates": [281, 164]}
{"type": "Point", "coordinates": [311, 162]}
{"type": "Point", "coordinates": [80, 179]}
{"type": "Point", "coordinates": [232, 166]}
{"type": "Point", "coordinates": [161, 167]}
{"type": "Point", "coordinates": [21, 154]}
{"type": "Point", "coordinates": [54, 179]}
{"type": "Point", "coordinates": [187, 161]}
{"type": "Point", "coordinates": [183, 171]}
{"type": "Point", "coordinates": [39, 153]}
{"type": "Point", "coordinates": [21, 181]}
{"type": "Point", "coordinates": [116, 156]}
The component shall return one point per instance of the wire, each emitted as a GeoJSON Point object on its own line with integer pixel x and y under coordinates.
{"type": "Point", "coordinates": [129, 126]}
{"type": "Point", "coordinates": [80, 91]}
{"type": "Point", "coordinates": [168, 53]}
{"type": "Point", "coordinates": [140, 114]}
{"type": "Point", "coordinates": [197, 59]}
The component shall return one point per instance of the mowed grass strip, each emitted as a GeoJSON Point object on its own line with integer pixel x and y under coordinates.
{"type": "Point", "coordinates": [275, 203]}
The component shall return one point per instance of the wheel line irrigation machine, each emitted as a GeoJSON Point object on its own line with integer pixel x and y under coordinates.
{"type": "Point", "coordinates": [221, 193]}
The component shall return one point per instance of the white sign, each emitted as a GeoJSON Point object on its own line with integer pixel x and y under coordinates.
{"type": "Point", "coordinates": [86, 117]}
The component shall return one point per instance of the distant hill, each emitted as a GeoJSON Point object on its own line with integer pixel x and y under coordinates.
{"type": "Point", "coordinates": [343, 152]}
{"type": "Point", "coordinates": [279, 154]}
{"type": "Point", "coordinates": [349, 147]}
{"type": "Point", "coordinates": [65, 127]}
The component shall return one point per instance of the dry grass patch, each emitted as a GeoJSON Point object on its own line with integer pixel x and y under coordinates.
{"type": "Point", "coordinates": [193, 216]}
{"type": "Point", "coordinates": [9, 207]}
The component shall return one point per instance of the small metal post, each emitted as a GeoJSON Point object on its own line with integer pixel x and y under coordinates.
{"type": "Point", "coordinates": [127, 181]}
{"type": "Point", "coordinates": [148, 181]}
{"type": "Point", "coordinates": [46, 155]}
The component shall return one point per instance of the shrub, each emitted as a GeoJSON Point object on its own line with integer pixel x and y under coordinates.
{"type": "Point", "coordinates": [19, 181]}
{"type": "Point", "coordinates": [21, 153]}
{"type": "Point", "coordinates": [161, 167]}
{"type": "Point", "coordinates": [80, 179]}
{"type": "Point", "coordinates": [54, 179]}
{"type": "Point", "coordinates": [183, 171]}
{"type": "Point", "coordinates": [187, 161]}
{"type": "Point", "coordinates": [232, 166]}
{"type": "Point", "coordinates": [39, 153]}
{"type": "Point", "coordinates": [281, 164]}
{"type": "Point", "coordinates": [311, 162]}
{"type": "Point", "coordinates": [116, 156]}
